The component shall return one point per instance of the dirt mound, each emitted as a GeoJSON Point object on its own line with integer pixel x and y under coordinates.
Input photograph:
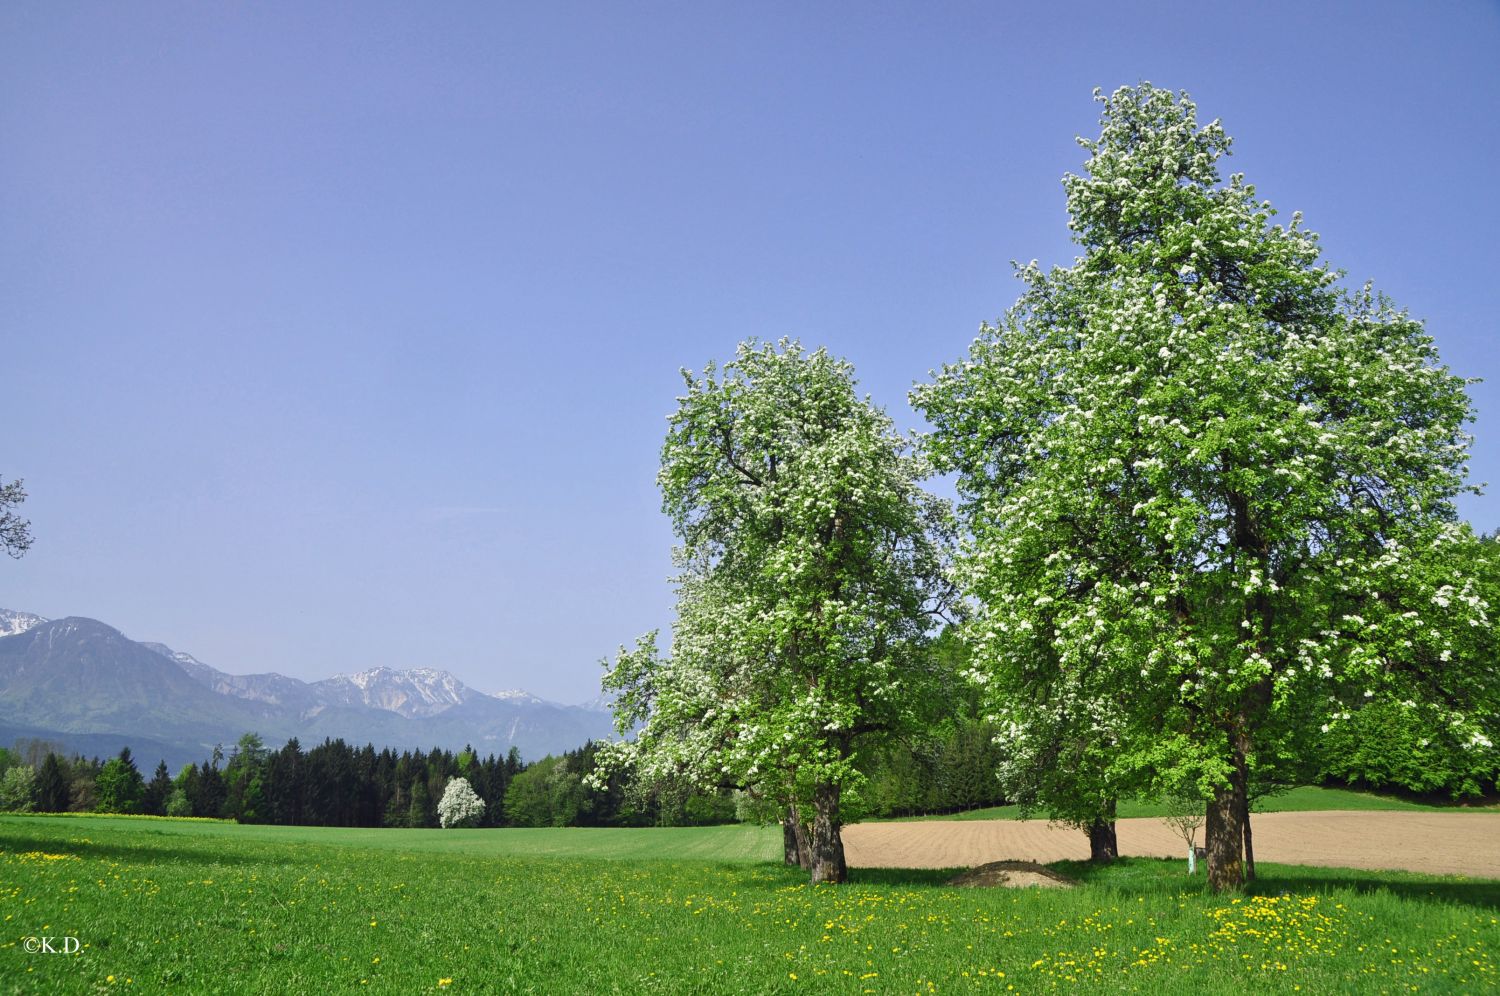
{"type": "Point", "coordinates": [1012, 875]}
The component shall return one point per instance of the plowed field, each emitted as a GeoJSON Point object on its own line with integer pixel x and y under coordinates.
{"type": "Point", "coordinates": [1438, 843]}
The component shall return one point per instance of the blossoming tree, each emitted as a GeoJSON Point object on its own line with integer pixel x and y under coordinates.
{"type": "Point", "coordinates": [810, 569]}
{"type": "Point", "coordinates": [1209, 492]}
{"type": "Point", "coordinates": [460, 805]}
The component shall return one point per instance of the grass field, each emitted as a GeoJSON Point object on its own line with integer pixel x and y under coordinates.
{"type": "Point", "coordinates": [161, 905]}
{"type": "Point", "coordinates": [1303, 799]}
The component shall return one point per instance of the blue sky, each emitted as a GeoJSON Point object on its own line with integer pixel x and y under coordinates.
{"type": "Point", "coordinates": [339, 336]}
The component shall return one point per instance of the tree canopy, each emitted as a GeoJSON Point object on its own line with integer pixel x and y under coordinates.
{"type": "Point", "coordinates": [1209, 492]}
{"type": "Point", "coordinates": [810, 569]}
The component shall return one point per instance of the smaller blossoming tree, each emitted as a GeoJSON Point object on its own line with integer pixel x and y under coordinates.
{"type": "Point", "coordinates": [811, 569]}
{"type": "Point", "coordinates": [460, 805]}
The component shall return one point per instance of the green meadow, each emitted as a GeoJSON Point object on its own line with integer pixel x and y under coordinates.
{"type": "Point", "coordinates": [161, 905]}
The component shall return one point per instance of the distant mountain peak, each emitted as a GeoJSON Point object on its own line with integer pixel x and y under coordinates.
{"type": "Point", "coordinates": [419, 691]}
{"type": "Point", "coordinates": [13, 623]}
{"type": "Point", "coordinates": [514, 695]}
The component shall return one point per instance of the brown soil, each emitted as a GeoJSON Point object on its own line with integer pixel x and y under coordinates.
{"type": "Point", "coordinates": [1012, 875]}
{"type": "Point", "coordinates": [1439, 843]}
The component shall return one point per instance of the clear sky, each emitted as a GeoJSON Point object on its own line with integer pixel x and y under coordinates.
{"type": "Point", "coordinates": [343, 335]}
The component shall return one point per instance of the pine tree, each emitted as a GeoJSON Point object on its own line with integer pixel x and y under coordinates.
{"type": "Point", "coordinates": [154, 803]}
{"type": "Point", "coordinates": [52, 786]}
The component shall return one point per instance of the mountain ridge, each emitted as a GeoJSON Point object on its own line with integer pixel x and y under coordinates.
{"type": "Point", "coordinates": [78, 677]}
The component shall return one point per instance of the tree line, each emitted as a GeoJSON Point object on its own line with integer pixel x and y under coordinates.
{"type": "Point", "coordinates": [336, 784]}
{"type": "Point", "coordinates": [331, 784]}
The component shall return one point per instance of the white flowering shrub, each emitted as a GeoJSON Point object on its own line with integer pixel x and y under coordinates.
{"type": "Point", "coordinates": [460, 805]}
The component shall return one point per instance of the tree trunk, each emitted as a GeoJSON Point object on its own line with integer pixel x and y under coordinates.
{"type": "Point", "coordinates": [1249, 846]}
{"type": "Point", "coordinates": [1224, 837]}
{"type": "Point", "coordinates": [1104, 846]}
{"type": "Point", "coordinates": [827, 842]}
{"type": "Point", "coordinates": [794, 839]}
{"type": "Point", "coordinates": [1241, 748]}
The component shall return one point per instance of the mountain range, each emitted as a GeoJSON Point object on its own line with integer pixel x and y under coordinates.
{"type": "Point", "coordinates": [85, 685]}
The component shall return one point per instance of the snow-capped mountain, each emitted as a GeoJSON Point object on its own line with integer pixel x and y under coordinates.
{"type": "Point", "coordinates": [421, 691]}
{"type": "Point", "coordinates": [86, 685]}
{"type": "Point", "coordinates": [12, 623]}
{"type": "Point", "coordinates": [515, 695]}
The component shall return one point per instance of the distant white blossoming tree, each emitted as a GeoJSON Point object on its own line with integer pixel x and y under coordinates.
{"type": "Point", "coordinates": [1209, 493]}
{"type": "Point", "coordinates": [811, 569]}
{"type": "Point", "coordinates": [460, 805]}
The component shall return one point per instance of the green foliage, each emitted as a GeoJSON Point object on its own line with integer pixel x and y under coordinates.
{"type": "Point", "coordinates": [949, 770]}
{"type": "Point", "coordinates": [950, 766]}
{"type": "Point", "coordinates": [18, 789]}
{"type": "Point", "coordinates": [119, 786]}
{"type": "Point", "coordinates": [335, 784]}
{"type": "Point", "coordinates": [1401, 745]}
{"type": "Point", "coordinates": [808, 573]}
{"type": "Point", "coordinates": [420, 813]}
{"type": "Point", "coordinates": [178, 803]}
{"type": "Point", "coordinates": [704, 810]}
{"type": "Point", "coordinates": [154, 802]}
{"type": "Point", "coordinates": [244, 784]}
{"type": "Point", "coordinates": [547, 794]}
{"type": "Point", "coordinates": [1209, 493]}
{"type": "Point", "coordinates": [52, 786]}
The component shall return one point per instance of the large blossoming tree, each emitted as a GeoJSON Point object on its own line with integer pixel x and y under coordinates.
{"type": "Point", "coordinates": [1209, 492]}
{"type": "Point", "coordinates": [810, 571]}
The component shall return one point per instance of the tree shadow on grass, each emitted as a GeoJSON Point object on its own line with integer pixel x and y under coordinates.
{"type": "Point", "coordinates": [1136, 876]}
{"type": "Point", "coordinates": [1479, 893]}
{"type": "Point", "coordinates": [149, 853]}
{"type": "Point", "coordinates": [902, 876]}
